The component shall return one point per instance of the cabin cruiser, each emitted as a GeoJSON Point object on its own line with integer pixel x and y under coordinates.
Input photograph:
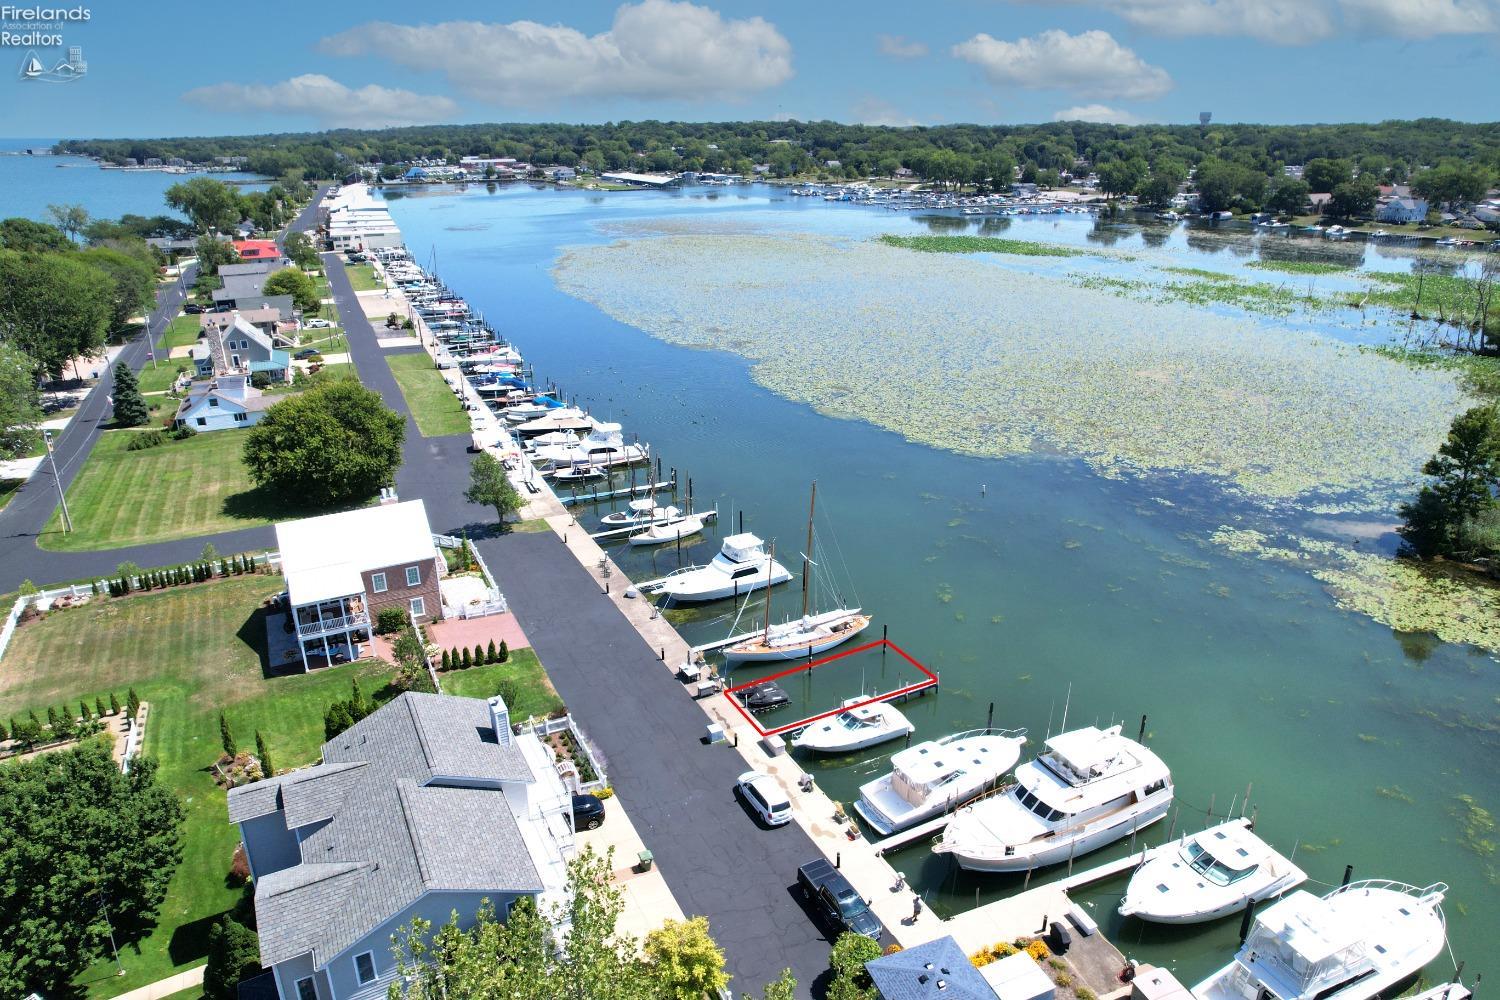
{"type": "Point", "coordinates": [539, 406]}
{"type": "Point", "coordinates": [639, 512]}
{"type": "Point", "coordinates": [801, 637]}
{"type": "Point", "coordinates": [862, 723]}
{"type": "Point", "coordinates": [604, 445]}
{"type": "Point", "coordinates": [742, 566]}
{"type": "Point", "coordinates": [1089, 788]}
{"type": "Point", "coordinates": [934, 777]}
{"type": "Point", "coordinates": [566, 418]}
{"type": "Point", "coordinates": [1336, 233]}
{"type": "Point", "coordinates": [1355, 943]}
{"type": "Point", "coordinates": [1207, 876]}
{"type": "Point", "coordinates": [670, 531]}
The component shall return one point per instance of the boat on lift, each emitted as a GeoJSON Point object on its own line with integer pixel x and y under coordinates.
{"type": "Point", "coordinates": [937, 776]}
{"type": "Point", "coordinates": [1088, 789]}
{"type": "Point", "coordinates": [1208, 875]}
{"type": "Point", "coordinates": [1355, 943]}
{"type": "Point", "coordinates": [805, 636]}
{"type": "Point", "coordinates": [741, 566]}
{"type": "Point", "coordinates": [862, 723]}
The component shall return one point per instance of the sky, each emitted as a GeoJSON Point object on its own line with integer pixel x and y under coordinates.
{"type": "Point", "coordinates": [175, 68]}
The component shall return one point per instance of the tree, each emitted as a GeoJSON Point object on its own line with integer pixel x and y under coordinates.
{"type": "Point", "coordinates": [133, 703]}
{"type": "Point", "coordinates": [1288, 196]}
{"type": "Point", "coordinates": [233, 955]}
{"type": "Point", "coordinates": [130, 405]}
{"type": "Point", "coordinates": [1353, 198]}
{"type": "Point", "coordinates": [20, 403]}
{"type": "Point", "coordinates": [71, 219]}
{"type": "Point", "coordinates": [213, 254]}
{"type": "Point", "coordinates": [34, 237]}
{"type": "Point", "coordinates": [132, 279]}
{"type": "Point", "coordinates": [267, 769]}
{"type": "Point", "coordinates": [1452, 184]}
{"type": "Point", "coordinates": [489, 485]}
{"type": "Point", "coordinates": [1119, 177]}
{"type": "Point", "coordinates": [1465, 472]}
{"type": "Point", "coordinates": [81, 842]}
{"type": "Point", "coordinates": [336, 443]}
{"type": "Point", "coordinates": [850, 980]}
{"type": "Point", "coordinates": [301, 250]}
{"type": "Point", "coordinates": [291, 281]}
{"type": "Point", "coordinates": [1325, 175]}
{"type": "Point", "coordinates": [226, 736]}
{"type": "Point", "coordinates": [209, 203]}
{"type": "Point", "coordinates": [54, 307]}
{"type": "Point", "coordinates": [688, 964]}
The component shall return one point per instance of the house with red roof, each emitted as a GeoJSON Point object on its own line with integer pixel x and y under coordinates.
{"type": "Point", "coordinates": [257, 249]}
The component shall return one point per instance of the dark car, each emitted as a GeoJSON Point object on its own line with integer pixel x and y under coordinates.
{"type": "Point", "coordinates": [193, 308]}
{"type": "Point", "coordinates": [307, 352]}
{"type": "Point", "coordinates": [835, 900]}
{"type": "Point", "coordinates": [588, 812]}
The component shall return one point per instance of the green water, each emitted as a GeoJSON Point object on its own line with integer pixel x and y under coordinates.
{"type": "Point", "coordinates": [1021, 579]}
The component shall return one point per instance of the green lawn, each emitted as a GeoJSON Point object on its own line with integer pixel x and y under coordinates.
{"type": "Point", "coordinates": [189, 652]}
{"type": "Point", "coordinates": [160, 378]}
{"type": "Point", "coordinates": [520, 676]}
{"type": "Point", "coordinates": [181, 332]}
{"type": "Point", "coordinates": [437, 410]}
{"type": "Point", "coordinates": [177, 490]}
{"type": "Point", "coordinates": [363, 277]}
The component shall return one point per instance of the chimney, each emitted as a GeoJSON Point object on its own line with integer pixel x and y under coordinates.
{"type": "Point", "coordinates": [500, 720]}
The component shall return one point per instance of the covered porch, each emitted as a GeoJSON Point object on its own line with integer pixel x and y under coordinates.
{"type": "Point", "coordinates": [328, 616]}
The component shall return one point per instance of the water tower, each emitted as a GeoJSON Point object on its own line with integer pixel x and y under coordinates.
{"type": "Point", "coordinates": [1204, 117]}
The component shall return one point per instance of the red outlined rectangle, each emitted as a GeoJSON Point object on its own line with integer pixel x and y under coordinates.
{"type": "Point", "coordinates": [930, 679]}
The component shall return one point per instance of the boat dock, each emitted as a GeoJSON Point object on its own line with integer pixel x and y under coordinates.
{"type": "Point", "coordinates": [896, 841]}
{"type": "Point", "coordinates": [645, 489]}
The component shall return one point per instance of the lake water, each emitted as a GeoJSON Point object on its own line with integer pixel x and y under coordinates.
{"type": "Point", "coordinates": [28, 184]}
{"type": "Point", "coordinates": [1024, 579]}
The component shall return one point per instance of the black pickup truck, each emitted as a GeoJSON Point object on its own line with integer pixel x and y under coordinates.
{"type": "Point", "coordinates": [835, 900]}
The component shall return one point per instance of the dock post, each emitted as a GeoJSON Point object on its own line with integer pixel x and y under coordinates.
{"type": "Point", "coordinates": [663, 654]}
{"type": "Point", "coordinates": [1348, 876]}
{"type": "Point", "coordinates": [1027, 884]}
{"type": "Point", "coordinates": [989, 722]}
{"type": "Point", "coordinates": [1245, 920]}
{"type": "Point", "coordinates": [1211, 806]}
{"type": "Point", "coordinates": [742, 521]}
{"type": "Point", "coordinates": [1142, 737]}
{"type": "Point", "coordinates": [1172, 827]}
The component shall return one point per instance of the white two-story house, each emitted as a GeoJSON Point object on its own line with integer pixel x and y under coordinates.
{"type": "Point", "coordinates": [424, 808]}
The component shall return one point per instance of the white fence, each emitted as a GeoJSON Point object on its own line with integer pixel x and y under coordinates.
{"type": "Point", "coordinates": [546, 727]}
{"type": "Point", "coordinates": [494, 604]}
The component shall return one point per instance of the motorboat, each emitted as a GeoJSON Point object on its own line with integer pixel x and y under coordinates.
{"type": "Point", "coordinates": [937, 776]}
{"type": "Point", "coordinates": [1354, 943]}
{"type": "Point", "coordinates": [741, 566]}
{"type": "Point", "coordinates": [766, 696]}
{"type": "Point", "coordinates": [566, 418]}
{"type": "Point", "coordinates": [1336, 233]}
{"type": "Point", "coordinates": [604, 445]}
{"type": "Point", "coordinates": [862, 723]}
{"type": "Point", "coordinates": [1207, 876]}
{"type": "Point", "coordinates": [662, 533]}
{"type": "Point", "coordinates": [540, 406]}
{"type": "Point", "coordinates": [580, 472]}
{"type": "Point", "coordinates": [1089, 788]}
{"type": "Point", "coordinates": [639, 512]}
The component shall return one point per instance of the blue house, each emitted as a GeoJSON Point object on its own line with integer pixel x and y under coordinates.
{"type": "Point", "coordinates": [1402, 210]}
{"type": "Point", "coordinates": [239, 348]}
{"type": "Point", "coordinates": [223, 404]}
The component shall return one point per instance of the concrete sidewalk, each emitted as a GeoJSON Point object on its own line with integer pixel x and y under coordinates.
{"type": "Point", "coordinates": [166, 987]}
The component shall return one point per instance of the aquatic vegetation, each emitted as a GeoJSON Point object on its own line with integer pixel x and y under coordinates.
{"type": "Point", "coordinates": [979, 244]}
{"type": "Point", "coordinates": [1480, 374]}
{"type": "Point", "coordinates": [1015, 362]}
{"type": "Point", "coordinates": [1394, 793]}
{"type": "Point", "coordinates": [1475, 824]}
{"type": "Point", "coordinates": [1443, 295]}
{"type": "Point", "coordinates": [1301, 266]}
{"type": "Point", "coordinates": [1408, 596]}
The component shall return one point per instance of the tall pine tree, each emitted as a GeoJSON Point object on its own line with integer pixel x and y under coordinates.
{"type": "Point", "coordinates": [130, 405]}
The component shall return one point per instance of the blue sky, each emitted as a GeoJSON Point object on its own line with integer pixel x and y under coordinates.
{"type": "Point", "coordinates": [379, 63]}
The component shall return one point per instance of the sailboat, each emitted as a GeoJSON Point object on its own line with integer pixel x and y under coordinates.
{"type": "Point", "coordinates": [805, 636]}
{"type": "Point", "coordinates": [33, 67]}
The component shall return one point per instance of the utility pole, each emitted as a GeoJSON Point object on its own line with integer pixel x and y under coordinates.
{"type": "Point", "coordinates": [61, 497]}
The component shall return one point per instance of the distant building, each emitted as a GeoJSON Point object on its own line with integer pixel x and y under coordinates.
{"type": "Point", "coordinates": [1293, 170]}
{"type": "Point", "coordinates": [1402, 210]}
{"type": "Point", "coordinates": [562, 173]}
{"type": "Point", "coordinates": [1204, 117]}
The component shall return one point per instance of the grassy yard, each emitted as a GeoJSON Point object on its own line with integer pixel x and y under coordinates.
{"type": "Point", "coordinates": [181, 332]}
{"type": "Point", "coordinates": [177, 490]}
{"type": "Point", "coordinates": [363, 277]}
{"type": "Point", "coordinates": [436, 409]}
{"type": "Point", "coordinates": [160, 378]}
{"type": "Point", "coordinates": [520, 676]}
{"type": "Point", "coordinates": [189, 652]}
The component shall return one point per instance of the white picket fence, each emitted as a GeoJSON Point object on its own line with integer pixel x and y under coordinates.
{"type": "Point", "coordinates": [494, 605]}
{"type": "Point", "coordinates": [546, 727]}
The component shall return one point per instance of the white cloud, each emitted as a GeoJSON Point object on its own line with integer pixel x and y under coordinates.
{"type": "Point", "coordinates": [328, 102]}
{"type": "Point", "coordinates": [1095, 113]}
{"type": "Point", "coordinates": [901, 48]}
{"type": "Point", "coordinates": [874, 111]}
{"type": "Point", "coordinates": [1422, 18]}
{"type": "Point", "coordinates": [1089, 64]}
{"type": "Point", "coordinates": [1298, 22]}
{"type": "Point", "coordinates": [653, 49]}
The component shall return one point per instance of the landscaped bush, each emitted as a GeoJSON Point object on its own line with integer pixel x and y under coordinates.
{"type": "Point", "coordinates": [260, 380]}
{"type": "Point", "coordinates": [146, 439]}
{"type": "Point", "coordinates": [183, 432]}
{"type": "Point", "coordinates": [389, 620]}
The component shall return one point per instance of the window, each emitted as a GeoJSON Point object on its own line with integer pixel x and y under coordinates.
{"type": "Point", "coordinates": [307, 989]}
{"type": "Point", "coordinates": [364, 967]}
{"type": "Point", "coordinates": [377, 582]}
{"type": "Point", "coordinates": [240, 417]}
{"type": "Point", "coordinates": [213, 401]}
{"type": "Point", "coordinates": [202, 421]}
{"type": "Point", "coordinates": [418, 607]}
{"type": "Point", "coordinates": [413, 576]}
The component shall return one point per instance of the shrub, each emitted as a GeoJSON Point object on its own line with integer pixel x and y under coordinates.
{"type": "Point", "coordinates": [146, 439]}
{"type": "Point", "coordinates": [389, 620]}
{"type": "Point", "coordinates": [1084, 993]}
{"type": "Point", "coordinates": [1038, 950]}
{"type": "Point", "coordinates": [260, 380]}
{"type": "Point", "coordinates": [479, 659]}
{"type": "Point", "coordinates": [182, 432]}
{"type": "Point", "coordinates": [468, 660]}
{"type": "Point", "coordinates": [491, 654]}
{"type": "Point", "coordinates": [504, 651]}
{"type": "Point", "coordinates": [447, 661]}
{"type": "Point", "coordinates": [1063, 979]}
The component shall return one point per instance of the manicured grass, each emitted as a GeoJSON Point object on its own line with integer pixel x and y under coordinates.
{"type": "Point", "coordinates": [177, 490]}
{"type": "Point", "coordinates": [979, 244]}
{"type": "Point", "coordinates": [363, 277]}
{"type": "Point", "coordinates": [189, 652]}
{"type": "Point", "coordinates": [8, 489]}
{"type": "Point", "coordinates": [160, 378]}
{"type": "Point", "coordinates": [181, 332]}
{"type": "Point", "coordinates": [436, 408]}
{"type": "Point", "coordinates": [520, 676]}
{"type": "Point", "coordinates": [535, 524]}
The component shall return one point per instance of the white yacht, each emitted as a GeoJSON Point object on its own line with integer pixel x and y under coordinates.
{"type": "Point", "coordinates": [742, 566]}
{"type": "Point", "coordinates": [640, 512]}
{"type": "Point", "coordinates": [603, 446]}
{"type": "Point", "coordinates": [661, 533]}
{"type": "Point", "coordinates": [1352, 944]}
{"type": "Point", "coordinates": [563, 418]}
{"type": "Point", "coordinates": [1089, 788]}
{"type": "Point", "coordinates": [1207, 876]}
{"type": "Point", "coordinates": [856, 727]}
{"type": "Point", "coordinates": [933, 777]}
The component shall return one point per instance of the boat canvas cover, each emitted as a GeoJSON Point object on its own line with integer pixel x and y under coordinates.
{"type": "Point", "coordinates": [1309, 936]}
{"type": "Point", "coordinates": [1089, 753]}
{"type": "Point", "coordinates": [743, 547]}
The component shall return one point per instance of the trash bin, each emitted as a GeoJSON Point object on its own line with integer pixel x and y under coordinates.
{"type": "Point", "coordinates": [644, 861]}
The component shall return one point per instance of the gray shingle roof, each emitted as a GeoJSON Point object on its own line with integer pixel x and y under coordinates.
{"type": "Point", "coordinates": [392, 833]}
{"type": "Point", "coordinates": [914, 974]}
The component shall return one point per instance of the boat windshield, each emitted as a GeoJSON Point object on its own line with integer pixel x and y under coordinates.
{"type": "Point", "coordinates": [1043, 811]}
{"type": "Point", "coordinates": [851, 721]}
{"type": "Point", "coordinates": [1212, 868]}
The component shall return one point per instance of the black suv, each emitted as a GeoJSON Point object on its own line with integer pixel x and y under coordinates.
{"type": "Point", "coordinates": [825, 887]}
{"type": "Point", "coordinates": [588, 812]}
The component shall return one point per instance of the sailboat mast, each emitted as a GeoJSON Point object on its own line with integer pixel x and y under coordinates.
{"type": "Point", "coordinates": [807, 555]}
{"type": "Point", "coordinates": [770, 565]}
